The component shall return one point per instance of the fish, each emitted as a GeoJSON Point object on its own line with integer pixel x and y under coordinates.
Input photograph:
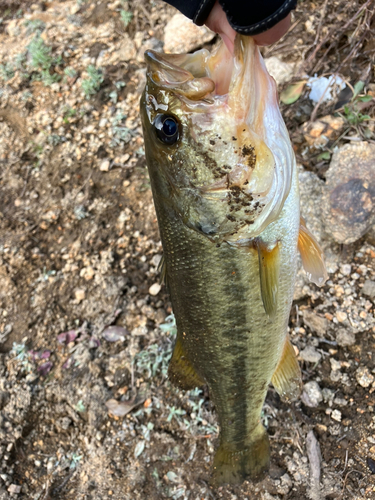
{"type": "Point", "coordinates": [225, 188]}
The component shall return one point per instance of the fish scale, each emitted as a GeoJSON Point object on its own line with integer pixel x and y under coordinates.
{"type": "Point", "coordinates": [231, 279]}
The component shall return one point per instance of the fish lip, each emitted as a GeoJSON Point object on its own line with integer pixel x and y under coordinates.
{"type": "Point", "coordinates": [163, 70]}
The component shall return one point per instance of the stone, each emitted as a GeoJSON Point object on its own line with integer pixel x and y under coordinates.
{"type": "Point", "coordinates": [345, 338]}
{"type": "Point", "coordinates": [336, 415]}
{"type": "Point", "coordinates": [312, 394]}
{"type": "Point", "coordinates": [316, 323]}
{"type": "Point", "coordinates": [281, 71]}
{"type": "Point", "coordinates": [319, 132]}
{"type": "Point", "coordinates": [341, 316]}
{"type": "Point", "coordinates": [104, 166]}
{"type": "Point", "coordinates": [310, 354]}
{"type": "Point", "coordinates": [364, 377]}
{"type": "Point", "coordinates": [369, 289]}
{"type": "Point", "coordinates": [349, 193]}
{"type": "Point", "coordinates": [154, 289]}
{"type": "Point", "coordinates": [182, 35]}
{"type": "Point", "coordinates": [80, 294]}
{"type": "Point", "coordinates": [127, 50]}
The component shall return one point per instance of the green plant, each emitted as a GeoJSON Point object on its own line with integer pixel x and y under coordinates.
{"type": "Point", "coordinates": [42, 60]}
{"type": "Point", "coordinates": [7, 71]}
{"type": "Point", "coordinates": [70, 72]}
{"type": "Point", "coordinates": [126, 17]}
{"type": "Point", "coordinates": [352, 112]}
{"type": "Point", "coordinates": [34, 26]}
{"type": "Point", "coordinates": [91, 85]}
{"type": "Point", "coordinates": [120, 133]}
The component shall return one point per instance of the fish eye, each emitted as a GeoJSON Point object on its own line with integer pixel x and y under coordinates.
{"type": "Point", "coordinates": [167, 129]}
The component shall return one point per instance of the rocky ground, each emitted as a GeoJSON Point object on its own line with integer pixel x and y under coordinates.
{"type": "Point", "coordinates": [85, 328]}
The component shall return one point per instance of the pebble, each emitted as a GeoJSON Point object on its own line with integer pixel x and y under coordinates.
{"type": "Point", "coordinates": [319, 132]}
{"type": "Point", "coordinates": [345, 338]}
{"type": "Point", "coordinates": [281, 71]}
{"type": "Point", "coordinates": [336, 415]}
{"type": "Point", "coordinates": [80, 294]}
{"type": "Point", "coordinates": [364, 377]}
{"type": "Point", "coordinates": [349, 192]}
{"type": "Point", "coordinates": [14, 488]}
{"type": "Point", "coordinates": [104, 166]}
{"type": "Point", "coordinates": [369, 289]}
{"type": "Point", "coordinates": [312, 394]}
{"type": "Point", "coordinates": [341, 316]}
{"type": "Point", "coordinates": [310, 354]}
{"type": "Point", "coordinates": [182, 35]}
{"type": "Point", "coordinates": [127, 50]}
{"type": "Point", "coordinates": [154, 289]}
{"type": "Point", "coordinates": [316, 323]}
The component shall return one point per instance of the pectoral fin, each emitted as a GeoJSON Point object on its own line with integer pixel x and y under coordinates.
{"type": "Point", "coordinates": [269, 268]}
{"type": "Point", "coordinates": [181, 372]}
{"type": "Point", "coordinates": [162, 267]}
{"type": "Point", "coordinates": [287, 377]}
{"type": "Point", "coordinates": [311, 255]}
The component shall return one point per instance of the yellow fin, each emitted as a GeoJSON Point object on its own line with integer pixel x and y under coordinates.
{"type": "Point", "coordinates": [269, 268]}
{"type": "Point", "coordinates": [311, 255]}
{"type": "Point", "coordinates": [287, 377]}
{"type": "Point", "coordinates": [181, 372]}
{"type": "Point", "coordinates": [233, 467]}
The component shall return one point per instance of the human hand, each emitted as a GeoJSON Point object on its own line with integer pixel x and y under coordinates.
{"type": "Point", "coordinates": [217, 21]}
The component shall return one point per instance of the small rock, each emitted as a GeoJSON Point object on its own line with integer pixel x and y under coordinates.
{"type": "Point", "coordinates": [285, 486]}
{"type": "Point", "coordinates": [104, 166]}
{"type": "Point", "coordinates": [369, 289]}
{"type": "Point", "coordinates": [318, 133]}
{"type": "Point", "coordinates": [127, 50]}
{"type": "Point", "coordinates": [154, 289]}
{"type": "Point", "coordinates": [281, 71]}
{"type": "Point", "coordinates": [346, 269]}
{"type": "Point", "coordinates": [310, 354]}
{"type": "Point", "coordinates": [312, 394]}
{"type": "Point", "coordinates": [182, 35]}
{"type": "Point", "coordinates": [345, 338]}
{"type": "Point", "coordinates": [341, 316]}
{"type": "Point", "coordinates": [336, 415]}
{"type": "Point", "coordinates": [14, 488]}
{"type": "Point", "coordinates": [349, 197]}
{"type": "Point", "coordinates": [80, 294]}
{"type": "Point", "coordinates": [364, 377]}
{"type": "Point", "coordinates": [316, 323]}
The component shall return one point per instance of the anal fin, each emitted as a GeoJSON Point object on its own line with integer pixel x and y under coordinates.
{"type": "Point", "coordinates": [287, 377]}
{"type": "Point", "coordinates": [311, 255]}
{"type": "Point", "coordinates": [269, 268]}
{"type": "Point", "coordinates": [181, 372]}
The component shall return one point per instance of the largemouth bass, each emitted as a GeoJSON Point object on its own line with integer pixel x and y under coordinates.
{"type": "Point", "coordinates": [225, 189]}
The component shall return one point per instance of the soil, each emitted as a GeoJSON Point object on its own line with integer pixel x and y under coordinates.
{"type": "Point", "coordinates": [79, 253]}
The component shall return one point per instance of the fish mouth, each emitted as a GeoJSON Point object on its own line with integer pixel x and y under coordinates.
{"type": "Point", "coordinates": [168, 71]}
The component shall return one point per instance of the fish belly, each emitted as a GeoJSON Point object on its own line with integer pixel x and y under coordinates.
{"type": "Point", "coordinates": [224, 334]}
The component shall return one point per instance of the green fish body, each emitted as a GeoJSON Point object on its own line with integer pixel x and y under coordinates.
{"type": "Point", "coordinates": [225, 189]}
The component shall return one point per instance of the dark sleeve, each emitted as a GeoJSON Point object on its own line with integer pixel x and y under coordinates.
{"type": "Point", "coordinates": [248, 18]}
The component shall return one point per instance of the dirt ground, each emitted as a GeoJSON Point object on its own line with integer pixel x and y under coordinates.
{"type": "Point", "coordinates": [87, 411]}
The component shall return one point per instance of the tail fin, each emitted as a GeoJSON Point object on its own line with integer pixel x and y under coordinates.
{"type": "Point", "coordinates": [252, 463]}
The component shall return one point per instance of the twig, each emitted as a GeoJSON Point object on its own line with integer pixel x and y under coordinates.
{"type": "Point", "coordinates": [314, 456]}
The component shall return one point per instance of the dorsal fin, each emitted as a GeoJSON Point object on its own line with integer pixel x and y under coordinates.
{"type": "Point", "coordinates": [311, 255]}
{"type": "Point", "coordinates": [269, 269]}
{"type": "Point", "coordinates": [287, 377]}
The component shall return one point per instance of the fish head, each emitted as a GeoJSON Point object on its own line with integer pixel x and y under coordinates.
{"type": "Point", "coordinates": [216, 146]}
